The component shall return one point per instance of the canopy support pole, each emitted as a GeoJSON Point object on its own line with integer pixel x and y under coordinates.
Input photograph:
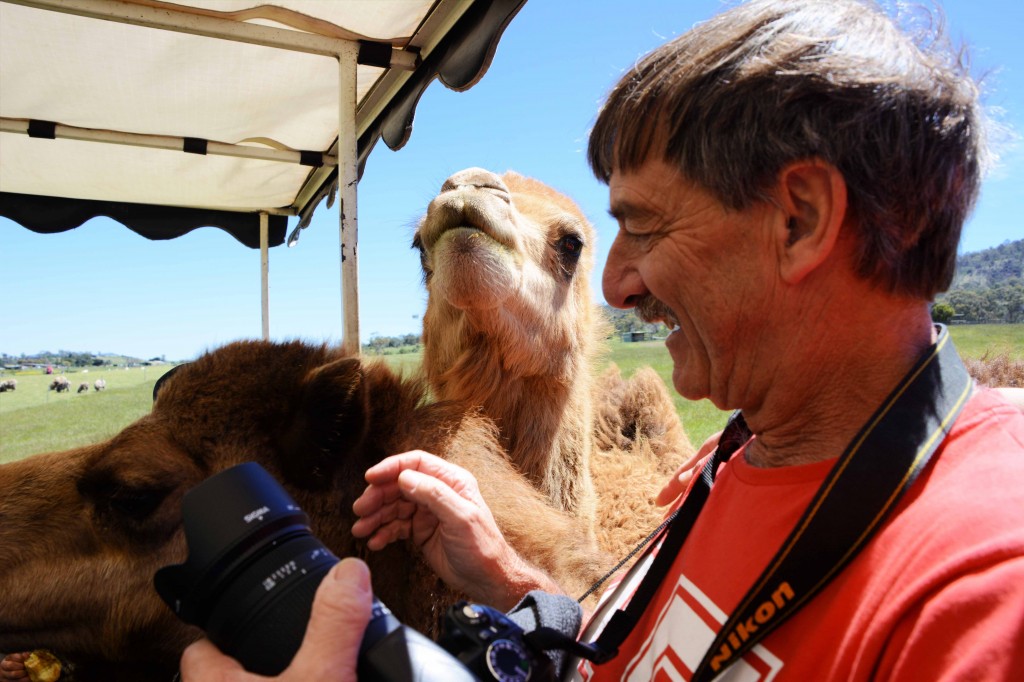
{"type": "Point", "coordinates": [265, 272]}
{"type": "Point", "coordinates": [348, 181]}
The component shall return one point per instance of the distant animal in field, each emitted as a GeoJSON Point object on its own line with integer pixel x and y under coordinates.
{"type": "Point", "coordinates": [83, 387]}
{"type": "Point", "coordinates": [8, 385]}
{"type": "Point", "coordinates": [60, 384]}
{"type": "Point", "coordinates": [99, 384]}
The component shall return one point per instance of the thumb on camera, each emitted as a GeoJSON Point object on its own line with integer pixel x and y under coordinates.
{"type": "Point", "coordinates": [339, 616]}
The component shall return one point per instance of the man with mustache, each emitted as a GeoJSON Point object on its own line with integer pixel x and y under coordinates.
{"type": "Point", "coordinates": [790, 179]}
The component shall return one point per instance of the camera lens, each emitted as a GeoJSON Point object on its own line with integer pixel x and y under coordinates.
{"type": "Point", "coordinates": [252, 570]}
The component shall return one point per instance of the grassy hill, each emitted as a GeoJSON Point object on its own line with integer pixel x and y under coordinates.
{"type": "Point", "coordinates": [989, 285]}
{"type": "Point", "coordinates": [35, 419]}
{"type": "Point", "coordinates": [991, 267]}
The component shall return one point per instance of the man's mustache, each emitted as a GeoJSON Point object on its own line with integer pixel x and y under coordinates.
{"type": "Point", "coordinates": [651, 309]}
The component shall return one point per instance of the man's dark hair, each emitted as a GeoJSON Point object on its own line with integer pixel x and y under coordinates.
{"type": "Point", "coordinates": [773, 81]}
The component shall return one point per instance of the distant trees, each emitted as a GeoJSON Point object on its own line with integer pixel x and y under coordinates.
{"type": "Point", "coordinates": [69, 358]}
{"type": "Point", "coordinates": [991, 267]}
{"type": "Point", "coordinates": [942, 312]}
{"type": "Point", "coordinates": [624, 321]}
{"type": "Point", "coordinates": [62, 358]}
{"type": "Point", "coordinates": [1001, 303]}
{"type": "Point", "coordinates": [989, 286]}
{"type": "Point", "coordinates": [406, 343]}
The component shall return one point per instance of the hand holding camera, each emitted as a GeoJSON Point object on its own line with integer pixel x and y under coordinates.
{"type": "Point", "coordinates": [249, 582]}
{"type": "Point", "coordinates": [330, 649]}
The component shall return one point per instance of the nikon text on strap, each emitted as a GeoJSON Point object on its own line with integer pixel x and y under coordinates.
{"type": "Point", "coordinates": [879, 464]}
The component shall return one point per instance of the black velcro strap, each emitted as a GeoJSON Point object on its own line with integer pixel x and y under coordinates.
{"type": "Point", "coordinates": [309, 158]}
{"type": "Point", "coordinates": [194, 145]}
{"type": "Point", "coordinates": [43, 129]}
{"type": "Point", "coordinates": [372, 53]}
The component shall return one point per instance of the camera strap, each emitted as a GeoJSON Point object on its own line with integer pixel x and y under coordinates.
{"type": "Point", "coordinates": [877, 467]}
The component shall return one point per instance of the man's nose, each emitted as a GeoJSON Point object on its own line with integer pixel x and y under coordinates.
{"type": "Point", "coordinates": [621, 283]}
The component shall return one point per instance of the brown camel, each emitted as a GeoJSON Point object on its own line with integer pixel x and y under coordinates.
{"type": "Point", "coordinates": [83, 531]}
{"type": "Point", "coordinates": [511, 327]}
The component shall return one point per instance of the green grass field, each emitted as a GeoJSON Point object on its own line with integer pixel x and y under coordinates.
{"type": "Point", "coordinates": [34, 419]}
{"type": "Point", "coordinates": [978, 340]}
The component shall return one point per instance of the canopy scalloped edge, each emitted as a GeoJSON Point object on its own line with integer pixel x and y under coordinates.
{"type": "Point", "coordinates": [48, 215]}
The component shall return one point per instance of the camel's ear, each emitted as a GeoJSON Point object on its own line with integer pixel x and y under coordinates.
{"type": "Point", "coordinates": [164, 377]}
{"type": "Point", "coordinates": [812, 194]}
{"type": "Point", "coordinates": [328, 424]}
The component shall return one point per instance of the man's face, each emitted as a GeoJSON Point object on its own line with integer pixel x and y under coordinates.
{"type": "Point", "coordinates": [711, 269]}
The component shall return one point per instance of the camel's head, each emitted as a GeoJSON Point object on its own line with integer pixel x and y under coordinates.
{"type": "Point", "coordinates": [506, 262]}
{"type": "Point", "coordinates": [83, 531]}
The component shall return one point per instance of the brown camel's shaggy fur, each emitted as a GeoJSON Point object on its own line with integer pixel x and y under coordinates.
{"type": "Point", "coordinates": [639, 443]}
{"type": "Point", "coordinates": [511, 328]}
{"type": "Point", "coordinates": [83, 531]}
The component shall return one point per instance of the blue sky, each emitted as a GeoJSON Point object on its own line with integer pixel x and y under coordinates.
{"type": "Point", "coordinates": [102, 288]}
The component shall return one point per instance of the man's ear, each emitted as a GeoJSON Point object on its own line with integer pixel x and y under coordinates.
{"type": "Point", "coordinates": [812, 196]}
{"type": "Point", "coordinates": [328, 424]}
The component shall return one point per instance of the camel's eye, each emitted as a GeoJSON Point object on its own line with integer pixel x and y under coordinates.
{"type": "Point", "coordinates": [571, 244]}
{"type": "Point", "coordinates": [112, 497]}
{"type": "Point", "coordinates": [569, 249]}
{"type": "Point", "coordinates": [136, 504]}
{"type": "Point", "coordinates": [417, 244]}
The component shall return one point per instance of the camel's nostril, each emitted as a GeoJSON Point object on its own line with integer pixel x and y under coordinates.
{"type": "Point", "coordinates": [474, 177]}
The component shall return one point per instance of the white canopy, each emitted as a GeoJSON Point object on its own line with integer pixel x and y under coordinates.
{"type": "Point", "coordinates": [169, 116]}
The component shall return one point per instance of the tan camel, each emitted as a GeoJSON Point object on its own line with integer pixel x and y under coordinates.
{"type": "Point", "coordinates": [511, 326]}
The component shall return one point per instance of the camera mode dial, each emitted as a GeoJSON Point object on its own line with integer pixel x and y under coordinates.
{"type": "Point", "coordinates": [487, 642]}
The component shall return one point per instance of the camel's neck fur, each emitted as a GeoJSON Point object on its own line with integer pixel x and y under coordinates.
{"type": "Point", "coordinates": [538, 391]}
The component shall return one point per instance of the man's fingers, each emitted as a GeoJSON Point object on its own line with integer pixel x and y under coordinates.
{"type": "Point", "coordinates": [451, 509]}
{"type": "Point", "coordinates": [12, 667]}
{"type": "Point", "coordinates": [681, 479]}
{"type": "Point", "coordinates": [336, 625]}
{"type": "Point", "coordinates": [674, 488]}
{"type": "Point", "coordinates": [202, 660]}
{"type": "Point", "coordinates": [385, 535]}
{"type": "Point", "coordinates": [376, 496]}
{"type": "Point", "coordinates": [330, 647]}
{"type": "Point", "coordinates": [372, 518]}
{"type": "Point", "coordinates": [388, 470]}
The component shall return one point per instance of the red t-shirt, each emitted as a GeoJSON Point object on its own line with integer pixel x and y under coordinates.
{"type": "Point", "coordinates": [936, 594]}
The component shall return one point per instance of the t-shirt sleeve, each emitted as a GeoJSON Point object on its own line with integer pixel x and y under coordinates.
{"type": "Point", "coordinates": [970, 629]}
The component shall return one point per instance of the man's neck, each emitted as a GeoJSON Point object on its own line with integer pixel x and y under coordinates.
{"type": "Point", "coordinates": [813, 409]}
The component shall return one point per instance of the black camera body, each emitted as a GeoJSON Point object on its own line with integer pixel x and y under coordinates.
{"type": "Point", "coordinates": [252, 572]}
{"type": "Point", "coordinates": [492, 645]}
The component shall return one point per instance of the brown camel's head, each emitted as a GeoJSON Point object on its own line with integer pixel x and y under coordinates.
{"type": "Point", "coordinates": [506, 262]}
{"type": "Point", "coordinates": [83, 531]}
